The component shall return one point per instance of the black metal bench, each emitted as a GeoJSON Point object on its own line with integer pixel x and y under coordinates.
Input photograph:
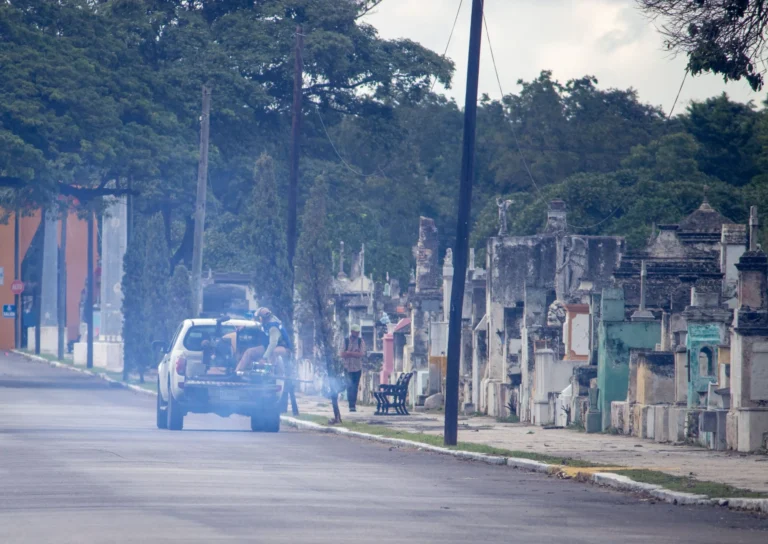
{"type": "Point", "coordinates": [393, 397]}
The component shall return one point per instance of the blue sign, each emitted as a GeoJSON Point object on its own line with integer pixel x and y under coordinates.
{"type": "Point", "coordinates": [9, 310]}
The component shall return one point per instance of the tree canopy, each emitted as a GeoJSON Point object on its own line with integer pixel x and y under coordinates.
{"type": "Point", "coordinates": [102, 96]}
{"type": "Point", "coordinates": [724, 37]}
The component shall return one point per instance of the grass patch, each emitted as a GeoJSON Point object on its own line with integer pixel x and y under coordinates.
{"type": "Point", "coordinates": [689, 485]}
{"type": "Point", "coordinates": [512, 418]}
{"type": "Point", "coordinates": [437, 440]}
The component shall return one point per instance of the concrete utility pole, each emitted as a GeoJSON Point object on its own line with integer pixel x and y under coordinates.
{"type": "Point", "coordinates": [462, 229]}
{"type": "Point", "coordinates": [298, 81]}
{"type": "Point", "coordinates": [129, 235]}
{"type": "Point", "coordinates": [39, 290]}
{"type": "Point", "coordinates": [62, 305]}
{"type": "Point", "coordinates": [89, 291]}
{"type": "Point", "coordinates": [202, 188]}
{"type": "Point", "coordinates": [17, 276]}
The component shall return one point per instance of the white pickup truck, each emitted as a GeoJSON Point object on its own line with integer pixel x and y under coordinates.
{"type": "Point", "coordinates": [196, 375]}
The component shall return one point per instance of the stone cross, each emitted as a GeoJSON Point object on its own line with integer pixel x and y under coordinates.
{"type": "Point", "coordinates": [503, 206]}
{"type": "Point", "coordinates": [341, 261]}
{"type": "Point", "coordinates": [641, 314]}
{"type": "Point", "coordinates": [753, 228]}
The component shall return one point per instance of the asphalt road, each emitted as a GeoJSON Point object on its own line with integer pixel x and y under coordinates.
{"type": "Point", "coordinates": [81, 462]}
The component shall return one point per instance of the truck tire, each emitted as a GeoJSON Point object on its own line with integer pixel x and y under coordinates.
{"type": "Point", "coordinates": [257, 423]}
{"type": "Point", "coordinates": [162, 408]}
{"type": "Point", "coordinates": [175, 413]}
{"type": "Point", "coordinates": [272, 422]}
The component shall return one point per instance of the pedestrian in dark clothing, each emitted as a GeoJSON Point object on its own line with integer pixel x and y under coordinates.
{"type": "Point", "coordinates": [352, 359]}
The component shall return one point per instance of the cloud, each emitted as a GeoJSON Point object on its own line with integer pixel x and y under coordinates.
{"type": "Point", "coordinates": [609, 39]}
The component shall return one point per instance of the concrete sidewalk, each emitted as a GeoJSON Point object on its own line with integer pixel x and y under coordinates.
{"type": "Point", "coordinates": [736, 469]}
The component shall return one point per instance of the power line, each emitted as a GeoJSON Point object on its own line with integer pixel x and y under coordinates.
{"type": "Point", "coordinates": [380, 170]}
{"type": "Point", "coordinates": [626, 197]}
{"type": "Point", "coordinates": [685, 76]}
{"type": "Point", "coordinates": [519, 149]}
{"type": "Point", "coordinates": [450, 36]}
{"type": "Point", "coordinates": [330, 141]}
{"type": "Point", "coordinates": [511, 124]}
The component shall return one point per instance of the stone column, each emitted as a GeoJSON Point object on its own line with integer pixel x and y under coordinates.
{"type": "Point", "coordinates": [447, 284]}
{"type": "Point", "coordinates": [114, 239]}
{"type": "Point", "coordinates": [747, 422]}
{"type": "Point", "coordinates": [426, 298]}
{"type": "Point", "coordinates": [108, 349]}
{"type": "Point", "coordinates": [544, 363]}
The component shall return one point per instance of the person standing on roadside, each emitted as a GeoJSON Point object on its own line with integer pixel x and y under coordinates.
{"type": "Point", "coordinates": [352, 359]}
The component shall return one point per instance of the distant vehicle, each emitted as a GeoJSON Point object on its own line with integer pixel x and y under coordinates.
{"type": "Point", "coordinates": [197, 375]}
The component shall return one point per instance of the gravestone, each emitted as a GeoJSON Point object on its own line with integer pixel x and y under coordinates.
{"type": "Point", "coordinates": [748, 417]}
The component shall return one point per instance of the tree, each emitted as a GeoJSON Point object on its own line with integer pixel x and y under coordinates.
{"type": "Point", "coordinates": [155, 282]}
{"type": "Point", "coordinates": [135, 324]}
{"type": "Point", "coordinates": [147, 311]}
{"type": "Point", "coordinates": [265, 238]}
{"type": "Point", "coordinates": [724, 37]}
{"type": "Point", "coordinates": [179, 297]}
{"type": "Point", "coordinates": [314, 281]}
{"type": "Point", "coordinates": [725, 131]}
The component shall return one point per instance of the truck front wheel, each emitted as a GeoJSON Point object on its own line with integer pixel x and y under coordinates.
{"type": "Point", "coordinates": [162, 408]}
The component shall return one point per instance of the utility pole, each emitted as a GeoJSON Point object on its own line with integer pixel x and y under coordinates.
{"type": "Point", "coordinates": [17, 276]}
{"type": "Point", "coordinates": [39, 290]}
{"type": "Point", "coordinates": [293, 189]}
{"type": "Point", "coordinates": [298, 73]}
{"type": "Point", "coordinates": [202, 188]}
{"type": "Point", "coordinates": [89, 291]}
{"type": "Point", "coordinates": [62, 305]}
{"type": "Point", "coordinates": [129, 238]}
{"type": "Point", "coordinates": [461, 252]}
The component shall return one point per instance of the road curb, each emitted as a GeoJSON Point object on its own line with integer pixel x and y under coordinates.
{"type": "Point", "coordinates": [623, 483]}
{"type": "Point", "coordinates": [604, 479]}
{"type": "Point", "coordinates": [307, 425]}
{"type": "Point", "coordinates": [100, 375]}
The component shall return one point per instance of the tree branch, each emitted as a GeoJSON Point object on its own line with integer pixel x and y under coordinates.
{"type": "Point", "coordinates": [367, 6]}
{"type": "Point", "coordinates": [81, 193]}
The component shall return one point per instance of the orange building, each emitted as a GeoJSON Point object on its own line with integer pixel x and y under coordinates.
{"type": "Point", "coordinates": [75, 260]}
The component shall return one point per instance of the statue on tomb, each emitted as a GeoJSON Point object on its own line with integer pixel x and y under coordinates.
{"type": "Point", "coordinates": [503, 206]}
{"type": "Point", "coordinates": [574, 262]}
{"type": "Point", "coordinates": [556, 314]}
{"type": "Point", "coordinates": [448, 258]}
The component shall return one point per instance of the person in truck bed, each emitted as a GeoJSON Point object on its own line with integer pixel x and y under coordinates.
{"type": "Point", "coordinates": [279, 344]}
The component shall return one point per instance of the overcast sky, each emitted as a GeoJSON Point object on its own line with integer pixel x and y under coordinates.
{"type": "Point", "coordinates": [609, 39]}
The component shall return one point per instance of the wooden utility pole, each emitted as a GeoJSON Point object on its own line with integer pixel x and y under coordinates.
{"type": "Point", "coordinates": [89, 291]}
{"type": "Point", "coordinates": [62, 291]}
{"type": "Point", "coordinates": [202, 188]}
{"type": "Point", "coordinates": [293, 190]}
{"type": "Point", "coordinates": [461, 252]}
